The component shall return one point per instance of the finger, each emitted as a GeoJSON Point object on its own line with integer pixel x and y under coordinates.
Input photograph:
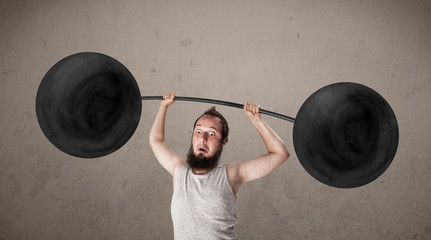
{"type": "Point", "coordinates": [253, 108]}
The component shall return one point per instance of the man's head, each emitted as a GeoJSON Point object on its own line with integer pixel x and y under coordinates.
{"type": "Point", "coordinates": [210, 134]}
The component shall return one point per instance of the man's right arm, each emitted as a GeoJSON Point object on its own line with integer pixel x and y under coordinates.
{"type": "Point", "coordinates": [168, 159]}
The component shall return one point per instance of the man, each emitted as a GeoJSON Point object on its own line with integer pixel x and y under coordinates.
{"type": "Point", "coordinates": [203, 202]}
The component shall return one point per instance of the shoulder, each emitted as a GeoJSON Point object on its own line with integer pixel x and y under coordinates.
{"type": "Point", "coordinates": [177, 169]}
{"type": "Point", "coordinates": [232, 167]}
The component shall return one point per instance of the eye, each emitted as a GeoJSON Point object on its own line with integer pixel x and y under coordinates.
{"type": "Point", "coordinates": [198, 131]}
{"type": "Point", "coordinates": [212, 134]}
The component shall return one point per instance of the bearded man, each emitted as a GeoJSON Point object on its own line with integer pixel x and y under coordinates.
{"type": "Point", "coordinates": [203, 202]}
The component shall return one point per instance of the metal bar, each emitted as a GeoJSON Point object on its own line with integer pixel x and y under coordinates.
{"type": "Point", "coordinates": [218, 102]}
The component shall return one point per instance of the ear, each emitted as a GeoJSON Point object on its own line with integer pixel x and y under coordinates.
{"type": "Point", "coordinates": [224, 141]}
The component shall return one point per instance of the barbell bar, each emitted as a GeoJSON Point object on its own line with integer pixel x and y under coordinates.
{"type": "Point", "coordinates": [224, 103]}
{"type": "Point", "coordinates": [345, 134]}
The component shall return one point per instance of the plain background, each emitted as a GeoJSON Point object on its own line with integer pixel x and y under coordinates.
{"type": "Point", "coordinates": [274, 53]}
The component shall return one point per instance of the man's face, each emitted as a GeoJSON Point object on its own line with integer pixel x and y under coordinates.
{"type": "Point", "coordinates": [207, 145]}
{"type": "Point", "coordinates": [207, 136]}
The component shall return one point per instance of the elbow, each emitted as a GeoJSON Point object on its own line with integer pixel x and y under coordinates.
{"type": "Point", "coordinates": [155, 140]}
{"type": "Point", "coordinates": [152, 140]}
{"type": "Point", "coordinates": [285, 155]}
{"type": "Point", "coordinates": [281, 156]}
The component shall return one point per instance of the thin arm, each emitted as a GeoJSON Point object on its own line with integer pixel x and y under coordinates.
{"type": "Point", "coordinates": [168, 159]}
{"type": "Point", "coordinates": [229, 104]}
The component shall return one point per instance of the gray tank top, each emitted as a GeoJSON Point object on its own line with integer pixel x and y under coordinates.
{"type": "Point", "coordinates": [203, 206]}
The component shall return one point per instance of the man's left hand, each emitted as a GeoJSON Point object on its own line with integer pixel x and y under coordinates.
{"type": "Point", "coordinates": [251, 110]}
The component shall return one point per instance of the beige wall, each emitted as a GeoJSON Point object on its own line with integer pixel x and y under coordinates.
{"type": "Point", "coordinates": [275, 53]}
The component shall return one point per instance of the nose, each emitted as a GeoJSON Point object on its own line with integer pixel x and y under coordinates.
{"type": "Point", "coordinates": [203, 138]}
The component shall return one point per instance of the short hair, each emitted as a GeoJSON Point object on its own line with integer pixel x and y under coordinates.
{"type": "Point", "coordinates": [213, 112]}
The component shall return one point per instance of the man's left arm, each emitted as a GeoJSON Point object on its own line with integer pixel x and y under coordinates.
{"type": "Point", "coordinates": [245, 171]}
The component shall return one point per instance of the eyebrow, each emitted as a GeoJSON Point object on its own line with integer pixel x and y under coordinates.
{"type": "Point", "coordinates": [200, 125]}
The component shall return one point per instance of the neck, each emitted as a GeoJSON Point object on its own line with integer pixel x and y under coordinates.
{"type": "Point", "coordinates": [201, 171]}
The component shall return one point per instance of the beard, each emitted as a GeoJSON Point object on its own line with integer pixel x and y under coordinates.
{"type": "Point", "coordinates": [200, 162]}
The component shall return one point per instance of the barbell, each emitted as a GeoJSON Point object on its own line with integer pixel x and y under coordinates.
{"type": "Point", "coordinates": [345, 134]}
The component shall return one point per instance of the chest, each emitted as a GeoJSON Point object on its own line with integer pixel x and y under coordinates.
{"type": "Point", "coordinates": [204, 195]}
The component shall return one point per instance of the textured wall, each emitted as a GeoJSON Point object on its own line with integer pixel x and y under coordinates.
{"type": "Point", "coordinates": [275, 53]}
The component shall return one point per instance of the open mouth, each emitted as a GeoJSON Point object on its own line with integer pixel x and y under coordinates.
{"type": "Point", "coordinates": [202, 150]}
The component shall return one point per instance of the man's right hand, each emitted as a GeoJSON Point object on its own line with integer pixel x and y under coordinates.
{"type": "Point", "coordinates": [168, 99]}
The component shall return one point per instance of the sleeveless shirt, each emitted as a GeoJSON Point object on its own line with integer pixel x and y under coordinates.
{"type": "Point", "coordinates": [203, 206]}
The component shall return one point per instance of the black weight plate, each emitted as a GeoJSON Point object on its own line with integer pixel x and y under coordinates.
{"type": "Point", "coordinates": [88, 105]}
{"type": "Point", "coordinates": [345, 135]}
